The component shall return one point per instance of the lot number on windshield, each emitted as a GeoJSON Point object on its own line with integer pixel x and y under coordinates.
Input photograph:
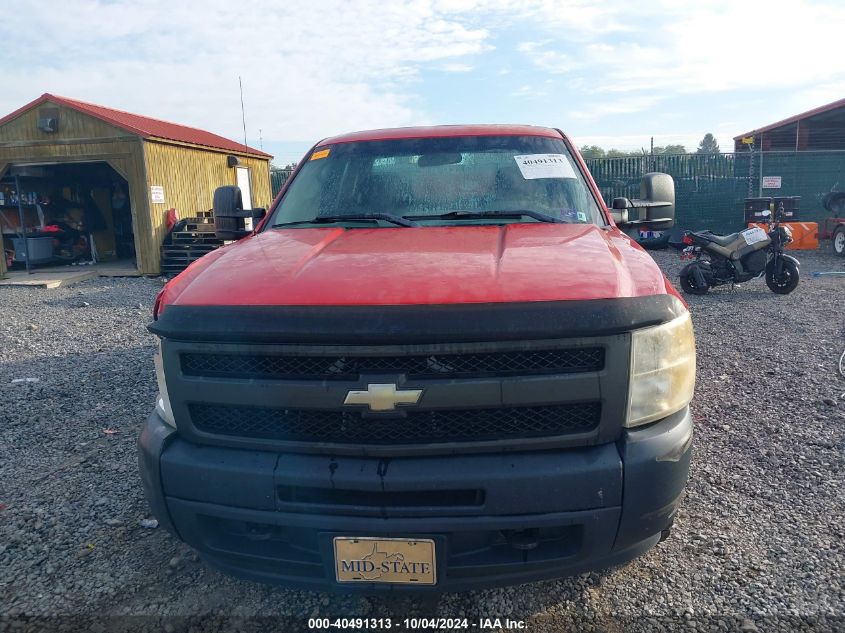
{"type": "Point", "coordinates": [544, 166]}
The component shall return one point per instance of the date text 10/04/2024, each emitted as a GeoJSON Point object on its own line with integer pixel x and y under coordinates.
{"type": "Point", "coordinates": [427, 624]}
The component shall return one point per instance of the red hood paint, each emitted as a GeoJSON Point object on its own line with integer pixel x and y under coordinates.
{"type": "Point", "coordinates": [425, 265]}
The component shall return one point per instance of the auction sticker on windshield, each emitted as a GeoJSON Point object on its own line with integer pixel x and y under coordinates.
{"type": "Point", "coordinates": [544, 166]}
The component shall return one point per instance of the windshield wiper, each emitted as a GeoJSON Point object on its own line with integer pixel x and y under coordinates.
{"type": "Point", "coordinates": [516, 213]}
{"type": "Point", "coordinates": [371, 217]}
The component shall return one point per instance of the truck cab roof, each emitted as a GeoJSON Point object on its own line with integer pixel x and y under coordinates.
{"type": "Point", "coordinates": [442, 131]}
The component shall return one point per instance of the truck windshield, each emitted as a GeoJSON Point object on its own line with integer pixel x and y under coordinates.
{"type": "Point", "coordinates": [436, 182]}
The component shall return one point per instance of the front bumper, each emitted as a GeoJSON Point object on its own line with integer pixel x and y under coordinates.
{"type": "Point", "coordinates": [271, 516]}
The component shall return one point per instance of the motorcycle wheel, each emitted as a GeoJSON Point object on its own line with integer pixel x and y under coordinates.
{"type": "Point", "coordinates": [688, 284]}
{"type": "Point", "coordinates": [786, 282]}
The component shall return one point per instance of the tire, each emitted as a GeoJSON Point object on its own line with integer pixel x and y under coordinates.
{"type": "Point", "coordinates": [688, 284]}
{"type": "Point", "coordinates": [837, 241]}
{"type": "Point", "coordinates": [788, 280]}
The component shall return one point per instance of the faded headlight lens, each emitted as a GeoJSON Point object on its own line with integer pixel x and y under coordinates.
{"type": "Point", "coordinates": [662, 371]}
{"type": "Point", "coordinates": [163, 400]}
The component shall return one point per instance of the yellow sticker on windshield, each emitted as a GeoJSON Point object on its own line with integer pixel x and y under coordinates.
{"type": "Point", "coordinates": [321, 154]}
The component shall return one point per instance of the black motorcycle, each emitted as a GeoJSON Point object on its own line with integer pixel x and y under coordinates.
{"type": "Point", "coordinates": [739, 257]}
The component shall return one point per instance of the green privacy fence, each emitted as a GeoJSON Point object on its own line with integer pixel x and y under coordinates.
{"type": "Point", "coordinates": [710, 189]}
{"type": "Point", "coordinates": [278, 177]}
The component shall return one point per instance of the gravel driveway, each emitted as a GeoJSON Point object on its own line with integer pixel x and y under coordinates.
{"type": "Point", "coordinates": [758, 544]}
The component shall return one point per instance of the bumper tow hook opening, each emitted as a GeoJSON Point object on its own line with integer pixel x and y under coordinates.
{"type": "Point", "coordinates": [522, 540]}
{"type": "Point", "coordinates": [257, 532]}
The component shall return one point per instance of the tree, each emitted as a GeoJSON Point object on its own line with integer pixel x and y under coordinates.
{"type": "Point", "coordinates": [674, 149]}
{"type": "Point", "coordinates": [592, 151]}
{"type": "Point", "coordinates": [618, 153]}
{"type": "Point", "coordinates": [708, 145]}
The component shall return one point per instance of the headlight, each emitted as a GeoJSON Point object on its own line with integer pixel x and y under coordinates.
{"type": "Point", "coordinates": [787, 232]}
{"type": "Point", "coordinates": [662, 371]}
{"type": "Point", "coordinates": [162, 400]}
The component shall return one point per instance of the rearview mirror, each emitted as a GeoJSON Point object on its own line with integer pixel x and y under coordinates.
{"type": "Point", "coordinates": [438, 159]}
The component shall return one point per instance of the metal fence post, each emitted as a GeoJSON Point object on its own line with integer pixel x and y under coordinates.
{"type": "Point", "coordinates": [23, 225]}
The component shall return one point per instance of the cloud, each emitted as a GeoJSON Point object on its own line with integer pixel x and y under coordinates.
{"type": "Point", "coordinates": [622, 105]}
{"type": "Point", "coordinates": [456, 68]}
{"type": "Point", "coordinates": [327, 66]}
{"type": "Point", "coordinates": [529, 91]}
{"type": "Point", "coordinates": [689, 46]}
{"type": "Point", "coordinates": [348, 64]}
{"type": "Point", "coordinates": [551, 61]}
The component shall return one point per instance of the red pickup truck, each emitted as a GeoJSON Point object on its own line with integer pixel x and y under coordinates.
{"type": "Point", "coordinates": [436, 364]}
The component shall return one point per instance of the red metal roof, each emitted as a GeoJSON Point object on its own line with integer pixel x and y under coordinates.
{"type": "Point", "coordinates": [441, 131]}
{"type": "Point", "coordinates": [797, 117]}
{"type": "Point", "coordinates": [142, 125]}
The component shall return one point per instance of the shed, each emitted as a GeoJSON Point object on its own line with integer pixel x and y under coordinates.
{"type": "Point", "coordinates": [821, 128]}
{"type": "Point", "coordinates": [107, 178]}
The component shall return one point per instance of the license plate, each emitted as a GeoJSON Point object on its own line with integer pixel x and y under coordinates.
{"type": "Point", "coordinates": [390, 560]}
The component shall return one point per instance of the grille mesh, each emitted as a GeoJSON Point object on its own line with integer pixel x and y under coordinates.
{"type": "Point", "coordinates": [557, 361]}
{"type": "Point", "coordinates": [309, 425]}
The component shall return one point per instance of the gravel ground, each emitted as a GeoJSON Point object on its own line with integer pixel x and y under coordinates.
{"type": "Point", "coordinates": [758, 544]}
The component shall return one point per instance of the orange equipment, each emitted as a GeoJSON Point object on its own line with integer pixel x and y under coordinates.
{"type": "Point", "coordinates": [804, 235]}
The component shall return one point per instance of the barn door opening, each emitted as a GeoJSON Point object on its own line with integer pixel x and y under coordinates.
{"type": "Point", "coordinates": [70, 213]}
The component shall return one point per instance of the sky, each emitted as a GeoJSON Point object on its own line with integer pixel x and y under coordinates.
{"type": "Point", "coordinates": [613, 74]}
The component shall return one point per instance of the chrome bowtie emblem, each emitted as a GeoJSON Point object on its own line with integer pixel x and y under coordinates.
{"type": "Point", "coordinates": [383, 397]}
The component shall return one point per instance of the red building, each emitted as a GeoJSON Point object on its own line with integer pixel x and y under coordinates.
{"type": "Point", "coordinates": [822, 128]}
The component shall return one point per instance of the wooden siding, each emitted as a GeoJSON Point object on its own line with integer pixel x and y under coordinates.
{"type": "Point", "coordinates": [190, 175]}
{"type": "Point", "coordinates": [72, 125]}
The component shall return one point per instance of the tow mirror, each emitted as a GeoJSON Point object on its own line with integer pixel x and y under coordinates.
{"type": "Point", "coordinates": [657, 191]}
{"type": "Point", "coordinates": [231, 221]}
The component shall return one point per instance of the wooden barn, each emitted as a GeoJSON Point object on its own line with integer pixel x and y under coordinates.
{"type": "Point", "coordinates": [80, 175]}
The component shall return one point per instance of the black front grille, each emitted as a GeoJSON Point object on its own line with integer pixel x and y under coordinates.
{"type": "Point", "coordinates": [511, 363]}
{"type": "Point", "coordinates": [460, 425]}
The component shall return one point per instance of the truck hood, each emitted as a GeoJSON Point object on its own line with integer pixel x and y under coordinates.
{"type": "Point", "coordinates": [425, 265]}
